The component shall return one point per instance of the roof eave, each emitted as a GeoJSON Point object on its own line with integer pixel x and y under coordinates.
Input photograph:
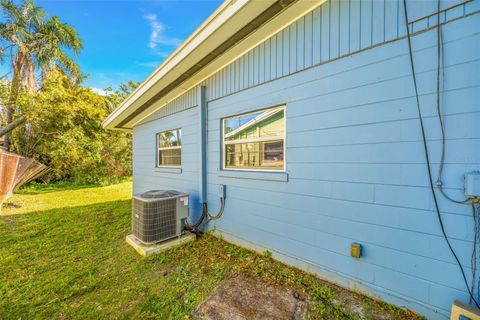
{"type": "Point", "coordinates": [225, 10]}
{"type": "Point", "coordinates": [217, 28]}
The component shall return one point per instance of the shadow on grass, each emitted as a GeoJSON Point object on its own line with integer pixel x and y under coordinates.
{"type": "Point", "coordinates": [66, 218]}
{"type": "Point", "coordinates": [95, 215]}
{"type": "Point", "coordinates": [73, 263]}
{"type": "Point", "coordinates": [50, 257]}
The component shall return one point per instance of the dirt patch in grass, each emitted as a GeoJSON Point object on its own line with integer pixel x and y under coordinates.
{"type": "Point", "coordinates": [12, 205]}
{"type": "Point", "coordinates": [365, 308]}
{"type": "Point", "coordinates": [243, 297]}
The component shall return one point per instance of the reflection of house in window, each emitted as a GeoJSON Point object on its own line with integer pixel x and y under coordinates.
{"type": "Point", "coordinates": [255, 140]}
{"type": "Point", "coordinates": [169, 144]}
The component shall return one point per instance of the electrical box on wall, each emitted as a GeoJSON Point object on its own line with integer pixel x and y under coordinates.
{"type": "Point", "coordinates": [223, 191]}
{"type": "Point", "coordinates": [356, 250]}
{"type": "Point", "coordinates": [472, 184]}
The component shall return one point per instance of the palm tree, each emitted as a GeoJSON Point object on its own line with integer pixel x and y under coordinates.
{"type": "Point", "coordinates": [32, 42]}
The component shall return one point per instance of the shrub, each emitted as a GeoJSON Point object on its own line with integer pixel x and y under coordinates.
{"type": "Point", "coordinates": [64, 131]}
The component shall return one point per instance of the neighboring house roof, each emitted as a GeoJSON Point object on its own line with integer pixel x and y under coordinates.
{"type": "Point", "coordinates": [232, 30]}
{"type": "Point", "coordinates": [262, 116]}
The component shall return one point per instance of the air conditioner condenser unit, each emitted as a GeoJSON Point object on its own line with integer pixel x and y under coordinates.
{"type": "Point", "coordinates": [159, 215]}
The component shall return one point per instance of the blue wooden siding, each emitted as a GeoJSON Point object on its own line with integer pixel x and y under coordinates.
{"type": "Point", "coordinates": [333, 30]}
{"type": "Point", "coordinates": [183, 102]}
{"type": "Point", "coordinates": [145, 174]}
{"type": "Point", "coordinates": [357, 170]}
{"type": "Point", "coordinates": [355, 164]}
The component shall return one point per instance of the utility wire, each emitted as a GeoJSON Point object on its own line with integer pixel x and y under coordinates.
{"type": "Point", "coordinates": [206, 215]}
{"type": "Point", "coordinates": [219, 214]}
{"type": "Point", "coordinates": [466, 201]}
{"type": "Point", "coordinates": [441, 66]}
{"type": "Point", "coordinates": [427, 157]}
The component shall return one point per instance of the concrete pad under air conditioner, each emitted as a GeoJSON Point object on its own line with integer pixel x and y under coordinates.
{"type": "Point", "coordinates": [148, 250]}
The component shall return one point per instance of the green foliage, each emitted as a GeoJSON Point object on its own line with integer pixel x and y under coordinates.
{"type": "Point", "coordinates": [63, 128]}
{"type": "Point", "coordinates": [37, 40]}
{"type": "Point", "coordinates": [64, 131]}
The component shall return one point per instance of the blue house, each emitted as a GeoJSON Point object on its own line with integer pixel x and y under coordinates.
{"type": "Point", "coordinates": [310, 113]}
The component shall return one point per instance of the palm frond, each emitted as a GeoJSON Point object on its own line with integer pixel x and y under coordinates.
{"type": "Point", "coordinates": [61, 34]}
{"type": "Point", "coordinates": [34, 15]}
{"type": "Point", "coordinates": [12, 13]}
{"type": "Point", "coordinates": [43, 41]}
{"type": "Point", "coordinates": [69, 66]}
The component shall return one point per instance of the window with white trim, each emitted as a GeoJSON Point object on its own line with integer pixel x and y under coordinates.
{"type": "Point", "coordinates": [169, 148]}
{"type": "Point", "coordinates": [255, 140]}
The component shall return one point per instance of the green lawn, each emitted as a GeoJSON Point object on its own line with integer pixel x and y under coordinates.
{"type": "Point", "coordinates": [63, 256]}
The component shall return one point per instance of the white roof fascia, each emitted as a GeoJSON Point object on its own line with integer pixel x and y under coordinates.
{"type": "Point", "coordinates": [230, 12]}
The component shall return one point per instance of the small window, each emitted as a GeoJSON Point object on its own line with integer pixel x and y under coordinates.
{"type": "Point", "coordinates": [169, 145]}
{"type": "Point", "coordinates": [255, 140]}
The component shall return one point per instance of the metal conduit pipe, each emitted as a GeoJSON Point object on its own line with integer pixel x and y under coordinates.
{"type": "Point", "coordinates": [202, 105]}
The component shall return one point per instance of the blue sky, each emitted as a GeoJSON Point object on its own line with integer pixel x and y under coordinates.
{"type": "Point", "coordinates": [127, 40]}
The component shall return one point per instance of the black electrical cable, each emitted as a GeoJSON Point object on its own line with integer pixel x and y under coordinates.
{"type": "Point", "coordinates": [473, 261]}
{"type": "Point", "coordinates": [427, 157]}
{"type": "Point", "coordinates": [195, 226]}
{"type": "Point", "coordinates": [206, 215]}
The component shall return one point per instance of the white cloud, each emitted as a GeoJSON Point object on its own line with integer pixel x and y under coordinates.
{"type": "Point", "coordinates": [101, 92]}
{"type": "Point", "coordinates": [158, 35]}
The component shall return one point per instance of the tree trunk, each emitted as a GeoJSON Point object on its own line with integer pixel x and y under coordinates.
{"type": "Point", "coordinates": [12, 125]}
{"type": "Point", "coordinates": [29, 76]}
{"type": "Point", "coordinates": [14, 91]}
